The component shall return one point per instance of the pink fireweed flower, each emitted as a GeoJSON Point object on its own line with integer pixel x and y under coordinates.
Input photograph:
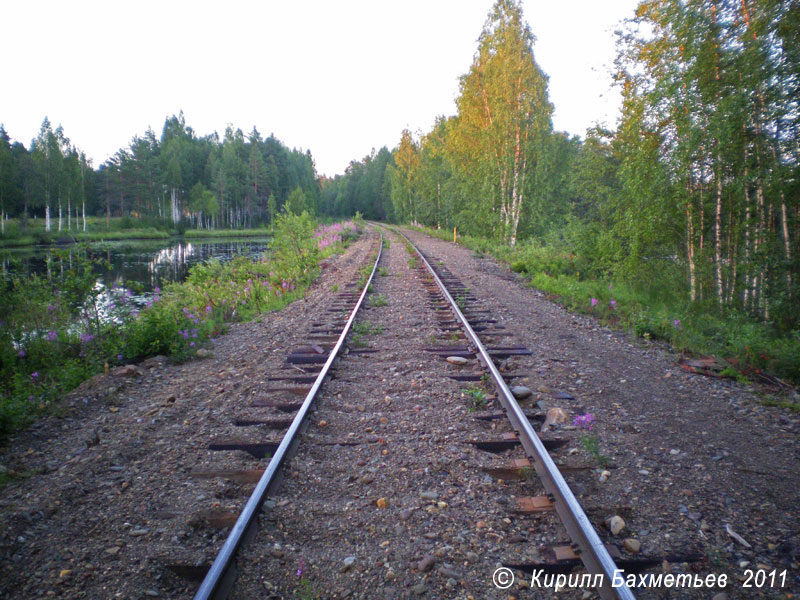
{"type": "Point", "coordinates": [584, 421]}
{"type": "Point", "coordinates": [594, 302]}
{"type": "Point", "coordinates": [676, 323]}
{"type": "Point", "coordinates": [613, 303]}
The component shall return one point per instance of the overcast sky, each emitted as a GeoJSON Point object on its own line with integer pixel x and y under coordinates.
{"type": "Point", "coordinates": [337, 78]}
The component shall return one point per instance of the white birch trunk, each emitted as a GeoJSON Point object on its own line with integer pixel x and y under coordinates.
{"type": "Point", "coordinates": [690, 252]}
{"type": "Point", "coordinates": [176, 216]}
{"type": "Point", "coordinates": [718, 238]}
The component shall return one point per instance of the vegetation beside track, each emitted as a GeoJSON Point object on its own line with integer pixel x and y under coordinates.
{"type": "Point", "coordinates": [58, 331]}
{"type": "Point", "coordinates": [751, 348]}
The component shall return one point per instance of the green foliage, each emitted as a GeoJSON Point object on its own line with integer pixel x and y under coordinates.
{"type": "Point", "coordinates": [377, 300]}
{"type": "Point", "coordinates": [366, 328]}
{"type": "Point", "coordinates": [56, 332]}
{"type": "Point", "coordinates": [235, 182]}
{"type": "Point", "coordinates": [591, 445]}
{"type": "Point", "coordinates": [477, 399]}
{"type": "Point", "coordinates": [294, 250]}
{"type": "Point", "coordinates": [364, 271]}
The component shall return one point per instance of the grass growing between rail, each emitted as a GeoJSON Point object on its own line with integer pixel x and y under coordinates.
{"type": "Point", "coordinates": [650, 309]}
{"type": "Point", "coordinates": [58, 331]}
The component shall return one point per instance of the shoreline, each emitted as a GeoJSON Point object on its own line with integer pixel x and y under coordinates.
{"type": "Point", "coordinates": [134, 235]}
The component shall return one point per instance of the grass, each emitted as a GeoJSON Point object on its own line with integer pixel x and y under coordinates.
{"type": "Point", "coordinates": [226, 233]}
{"type": "Point", "coordinates": [127, 228]}
{"type": "Point", "coordinates": [377, 300]}
{"type": "Point", "coordinates": [362, 330]}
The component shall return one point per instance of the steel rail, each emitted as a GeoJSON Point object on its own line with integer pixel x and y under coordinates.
{"type": "Point", "coordinates": [219, 568]}
{"type": "Point", "coordinates": [593, 552]}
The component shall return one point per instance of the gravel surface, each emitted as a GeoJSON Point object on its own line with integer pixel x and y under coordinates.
{"type": "Point", "coordinates": [108, 497]}
{"type": "Point", "coordinates": [386, 496]}
{"type": "Point", "coordinates": [691, 456]}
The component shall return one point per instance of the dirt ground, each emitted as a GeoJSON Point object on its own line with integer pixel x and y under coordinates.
{"type": "Point", "coordinates": [386, 497]}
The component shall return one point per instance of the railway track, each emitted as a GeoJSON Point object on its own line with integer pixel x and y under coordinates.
{"type": "Point", "coordinates": [458, 318]}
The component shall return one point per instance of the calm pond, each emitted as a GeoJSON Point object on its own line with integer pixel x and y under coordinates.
{"type": "Point", "coordinates": [138, 264]}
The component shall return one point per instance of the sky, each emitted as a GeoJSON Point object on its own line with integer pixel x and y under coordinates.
{"type": "Point", "coordinates": [336, 78]}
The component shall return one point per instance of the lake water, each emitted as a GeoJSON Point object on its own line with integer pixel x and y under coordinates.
{"type": "Point", "coordinates": [138, 264]}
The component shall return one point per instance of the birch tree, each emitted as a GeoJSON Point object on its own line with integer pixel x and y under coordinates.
{"type": "Point", "coordinates": [503, 114]}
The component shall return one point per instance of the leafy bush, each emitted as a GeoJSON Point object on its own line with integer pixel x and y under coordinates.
{"type": "Point", "coordinates": [295, 251]}
{"type": "Point", "coordinates": [56, 332]}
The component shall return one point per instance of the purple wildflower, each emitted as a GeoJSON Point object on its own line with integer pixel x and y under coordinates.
{"type": "Point", "coordinates": [35, 376]}
{"type": "Point", "coordinates": [613, 303]}
{"type": "Point", "coordinates": [191, 344]}
{"type": "Point", "coordinates": [52, 336]}
{"type": "Point", "coordinates": [51, 307]}
{"type": "Point", "coordinates": [676, 323]}
{"type": "Point", "coordinates": [594, 302]}
{"type": "Point", "coordinates": [208, 308]}
{"type": "Point", "coordinates": [119, 357]}
{"type": "Point", "coordinates": [584, 421]}
{"type": "Point", "coordinates": [21, 353]}
{"type": "Point", "coordinates": [86, 337]}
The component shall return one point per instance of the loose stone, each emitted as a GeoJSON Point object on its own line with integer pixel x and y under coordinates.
{"type": "Point", "coordinates": [521, 392]}
{"type": "Point", "coordinates": [457, 360]}
{"type": "Point", "coordinates": [615, 524]}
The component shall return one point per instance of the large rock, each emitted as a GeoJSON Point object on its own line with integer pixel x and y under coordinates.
{"type": "Point", "coordinates": [554, 416]}
{"type": "Point", "coordinates": [615, 524]}
{"type": "Point", "coordinates": [521, 392]}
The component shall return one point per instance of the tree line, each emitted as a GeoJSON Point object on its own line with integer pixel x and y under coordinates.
{"type": "Point", "coordinates": [179, 178]}
{"type": "Point", "coordinates": [695, 193]}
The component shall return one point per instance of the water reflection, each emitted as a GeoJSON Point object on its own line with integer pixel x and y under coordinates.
{"type": "Point", "coordinates": [140, 265]}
